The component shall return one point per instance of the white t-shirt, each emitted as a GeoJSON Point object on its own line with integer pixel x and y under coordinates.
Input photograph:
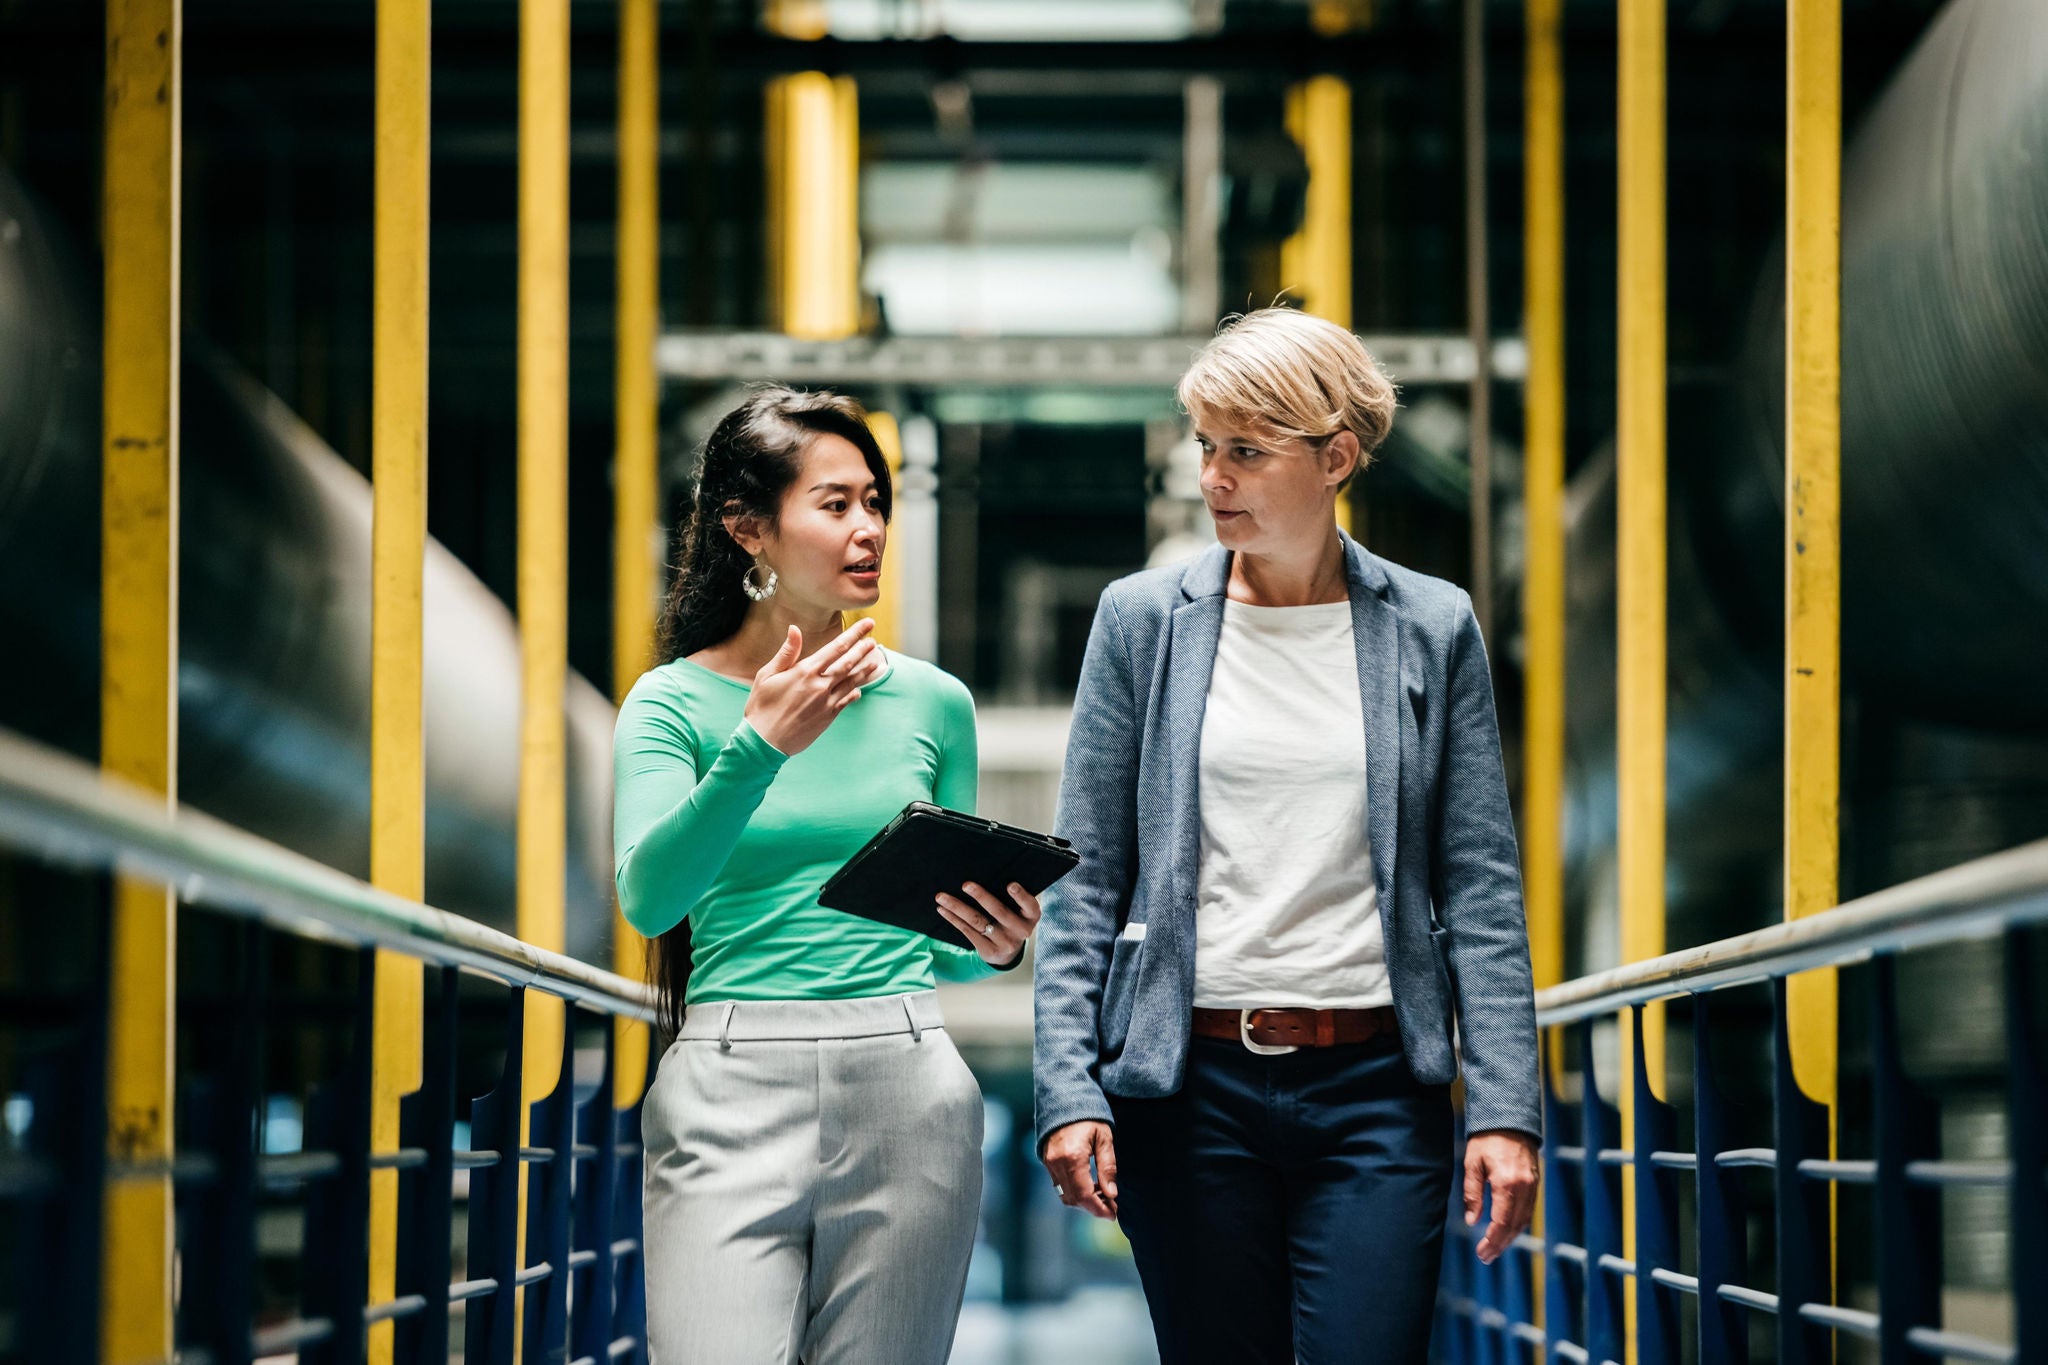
{"type": "Point", "coordinates": [1287, 913]}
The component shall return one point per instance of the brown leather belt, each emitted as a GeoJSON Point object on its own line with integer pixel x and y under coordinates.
{"type": "Point", "coordinates": [1295, 1027]}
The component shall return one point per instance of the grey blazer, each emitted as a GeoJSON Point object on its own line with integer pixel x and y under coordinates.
{"type": "Point", "coordinates": [1114, 1004]}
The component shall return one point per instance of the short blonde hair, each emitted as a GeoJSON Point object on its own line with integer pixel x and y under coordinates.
{"type": "Point", "coordinates": [1285, 373]}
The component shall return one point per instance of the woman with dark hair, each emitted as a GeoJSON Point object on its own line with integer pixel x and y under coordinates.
{"type": "Point", "coordinates": [813, 1139]}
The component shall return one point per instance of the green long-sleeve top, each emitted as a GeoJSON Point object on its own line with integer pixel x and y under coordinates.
{"type": "Point", "coordinates": [710, 821]}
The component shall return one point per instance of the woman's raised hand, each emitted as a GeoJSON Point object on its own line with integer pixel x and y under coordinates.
{"type": "Point", "coordinates": [794, 699]}
{"type": "Point", "coordinates": [997, 928]}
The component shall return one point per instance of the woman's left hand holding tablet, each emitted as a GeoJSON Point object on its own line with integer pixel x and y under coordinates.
{"type": "Point", "coordinates": [997, 928]}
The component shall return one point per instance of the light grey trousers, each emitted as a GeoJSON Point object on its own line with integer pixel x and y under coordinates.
{"type": "Point", "coordinates": [813, 1181]}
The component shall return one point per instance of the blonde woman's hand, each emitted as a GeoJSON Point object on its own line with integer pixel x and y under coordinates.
{"type": "Point", "coordinates": [794, 699]}
{"type": "Point", "coordinates": [996, 929]}
{"type": "Point", "coordinates": [1081, 1159]}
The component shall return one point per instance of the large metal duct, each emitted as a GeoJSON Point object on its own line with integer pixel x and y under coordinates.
{"type": "Point", "coordinates": [1945, 519]}
{"type": "Point", "coordinates": [273, 677]}
{"type": "Point", "coordinates": [1944, 387]}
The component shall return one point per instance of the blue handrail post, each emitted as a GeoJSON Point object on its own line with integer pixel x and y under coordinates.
{"type": "Point", "coordinates": [2027, 1115]}
{"type": "Point", "coordinates": [1804, 1228]}
{"type": "Point", "coordinates": [629, 1314]}
{"type": "Point", "coordinates": [337, 1260]}
{"type": "Point", "coordinates": [1606, 1323]}
{"type": "Point", "coordinates": [426, 1123]}
{"type": "Point", "coordinates": [1723, 1230]}
{"type": "Point", "coordinates": [1656, 1211]}
{"type": "Point", "coordinates": [57, 1261]}
{"type": "Point", "coordinates": [1564, 1288]}
{"type": "Point", "coordinates": [222, 1124]}
{"type": "Point", "coordinates": [1908, 1216]}
{"type": "Point", "coordinates": [597, 1122]}
{"type": "Point", "coordinates": [545, 1333]}
{"type": "Point", "coordinates": [489, 1323]}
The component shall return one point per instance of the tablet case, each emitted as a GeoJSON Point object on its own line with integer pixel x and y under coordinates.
{"type": "Point", "coordinates": [926, 849]}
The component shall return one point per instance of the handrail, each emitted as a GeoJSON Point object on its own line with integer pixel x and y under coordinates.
{"type": "Point", "coordinates": [70, 812]}
{"type": "Point", "coordinates": [1971, 900]}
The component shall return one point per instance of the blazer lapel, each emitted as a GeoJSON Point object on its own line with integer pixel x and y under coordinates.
{"type": "Point", "coordinates": [1191, 659]}
{"type": "Point", "coordinates": [1376, 634]}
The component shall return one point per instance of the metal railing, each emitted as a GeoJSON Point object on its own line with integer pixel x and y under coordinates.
{"type": "Point", "coordinates": [1700, 1249]}
{"type": "Point", "coordinates": [581, 1154]}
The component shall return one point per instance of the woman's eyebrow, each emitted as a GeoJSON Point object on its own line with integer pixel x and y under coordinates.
{"type": "Point", "coordinates": [832, 488]}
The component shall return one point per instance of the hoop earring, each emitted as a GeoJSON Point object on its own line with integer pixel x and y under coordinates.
{"type": "Point", "coordinates": [758, 593]}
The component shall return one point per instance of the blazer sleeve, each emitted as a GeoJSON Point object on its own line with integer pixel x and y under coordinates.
{"type": "Point", "coordinates": [1098, 812]}
{"type": "Point", "coordinates": [1476, 882]}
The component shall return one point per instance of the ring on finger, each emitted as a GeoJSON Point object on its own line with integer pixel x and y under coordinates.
{"type": "Point", "coordinates": [989, 929]}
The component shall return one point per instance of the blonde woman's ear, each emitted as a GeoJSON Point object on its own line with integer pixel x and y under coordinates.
{"type": "Point", "coordinates": [1341, 453]}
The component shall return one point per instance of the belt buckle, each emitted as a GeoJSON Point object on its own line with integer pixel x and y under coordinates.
{"type": "Point", "coordinates": [1244, 1035]}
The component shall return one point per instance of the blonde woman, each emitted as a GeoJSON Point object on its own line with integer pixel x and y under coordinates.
{"type": "Point", "coordinates": [1298, 907]}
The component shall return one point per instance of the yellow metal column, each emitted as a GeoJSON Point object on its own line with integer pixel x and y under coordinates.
{"type": "Point", "coordinates": [398, 543]}
{"type": "Point", "coordinates": [887, 613]}
{"type": "Point", "coordinates": [139, 646]}
{"type": "Point", "coordinates": [1641, 545]}
{"type": "Point", "coordinates": [1315, 263]}
{"type": "Point", "coordinates": [1543, 494]}
{"type": "Point", "coordinates": [1813, 520]}
{"type": "Point", "coordinates": [814, 188]}
{"type": "Point", "coordinates": [1543, 504]}
{"type": "Point", "coordinates": [637, 544]}
{"type": "Point", "coordinates": [543, 575]}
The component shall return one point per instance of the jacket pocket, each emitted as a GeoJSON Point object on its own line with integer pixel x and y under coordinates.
{"type": "Point", "coordinates": [1119, 992]}
{"type": "Point", "coordinates": [1440, 954]}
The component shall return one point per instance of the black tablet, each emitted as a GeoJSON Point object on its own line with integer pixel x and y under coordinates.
{"type": "Point", "coordinates": [897, 877]}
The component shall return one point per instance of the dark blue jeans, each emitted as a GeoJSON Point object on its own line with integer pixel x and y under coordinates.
{"type": "Point", "coordinates": [1288, 1208]}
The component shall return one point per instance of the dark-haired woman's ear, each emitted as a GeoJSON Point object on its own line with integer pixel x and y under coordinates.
{"type": "Point", "coordinates": [746, 533]}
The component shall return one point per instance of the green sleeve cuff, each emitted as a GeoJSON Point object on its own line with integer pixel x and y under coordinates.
{"type": "Point", "coordinates": [747, 743]}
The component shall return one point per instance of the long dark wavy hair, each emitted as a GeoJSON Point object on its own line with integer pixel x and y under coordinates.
{"type": "Point", "coordinates": [748, 463]}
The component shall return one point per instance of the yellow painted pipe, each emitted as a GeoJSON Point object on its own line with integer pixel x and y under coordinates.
{"type": "Point", "coordinates": [1315, 262]}
{"type": "Point", "coordinates": [543, 529]}
{"type": "Point", "coordinates": [1543, 622]}
{"type": "Point", "coordinates": [887, 613]}
{"type": "Point", "coordinates": [637, 538]}
{"type": "Point", "coordinates": [813, 199]}
{"type": "Point", "coordinates": [1640, 567]}
{"type": "Point", "coordinates": [139, 645]}
{"type": "Point", "coordinates": [1813, 529]}
{"type": "Point", "coordinates": [1543, 493]}
{"type": "Point", "coordinates": [398, 543]}
{"type": "Point", "coordinates": [1813, 522]}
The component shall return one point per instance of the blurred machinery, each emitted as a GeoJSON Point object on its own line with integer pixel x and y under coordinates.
{"type": "Point", "coordinates": [274, 664]}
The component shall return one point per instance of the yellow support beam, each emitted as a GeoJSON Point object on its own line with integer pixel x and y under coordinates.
{"type": "Point", "coordinates": [139, 646]}
{"type": "Point", "coordinates": [1813, 525]}
{"type": "Point", "coordinates": [1543, 494]}
{"type": "Point", "coordinates": [398, 544]}
{"type": "Point", "coordinates": [1315, 263]}
{"type": "Point", "coordinates": [637, 540]}
{"type": "Point", "coordinates": [543, 536]}
{"type": "Point", "coordinates": [814, 204]}
{"type": "Point", "coordinates": [1641, 551]}
{"type": "Point", "coordinates": [1543, 504]}
{"type": "Point", "coordinates": [813, 156]}
{"type": "Point", "coordinates": [887, 613]}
